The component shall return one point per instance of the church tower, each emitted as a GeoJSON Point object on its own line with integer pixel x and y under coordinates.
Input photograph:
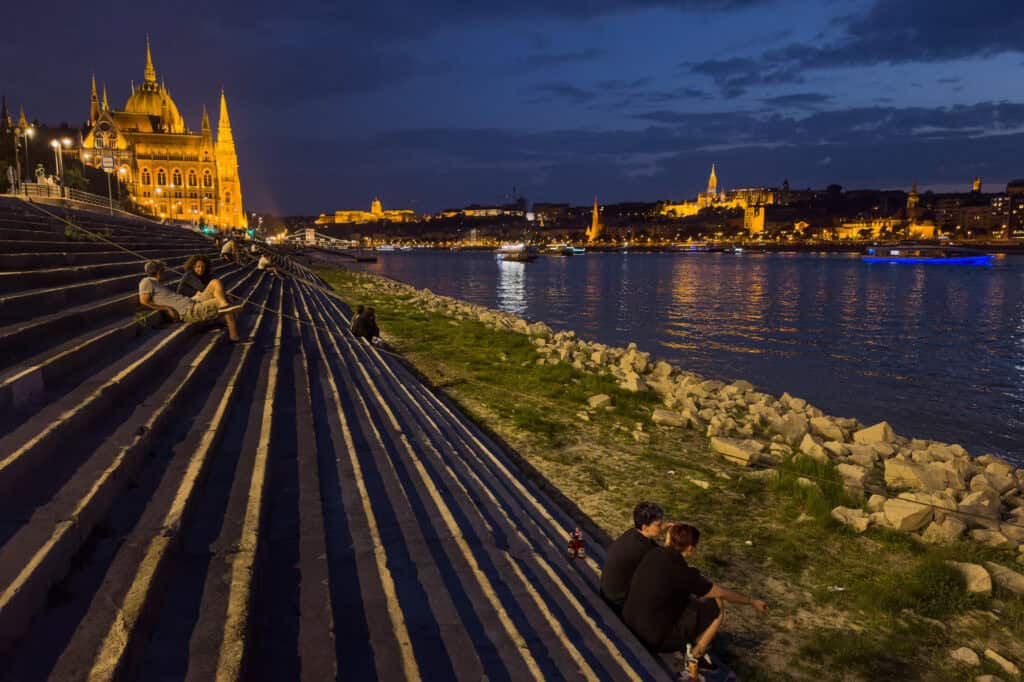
{"type": "Point", "coordinates": [94, 103]}
{"type": "Point", "coordinates": [229, 189]}
{"type": "Point", "coordinates": [5, 116]}
{"type": "Point", "coordinates": [712, 183]}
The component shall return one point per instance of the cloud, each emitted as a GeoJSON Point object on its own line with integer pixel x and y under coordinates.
{"type": "Point", "coordinates": [798, 100]}
{"type": "Point", "coordinates": [889, 32]}
{"type": "Point", "coordinates": [563, 90]}
{"type": "Point", "coordinates": [544, 60]}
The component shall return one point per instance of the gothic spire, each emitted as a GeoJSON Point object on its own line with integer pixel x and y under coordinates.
{"type": "Point", "coordinates": [106, 104]}
{"type": "Point", "coordinates": [22, 123]}
{"type": "Point", "coordinates": [5, 116]}
{"type": "Point", "coordinates": [150, 73]}
{"type": "Point", "coordinates": [94, 102]}
{"type": "Point", "coordinates": [224, 136]}
{"type": "Point", "coordinates": [206, 121]}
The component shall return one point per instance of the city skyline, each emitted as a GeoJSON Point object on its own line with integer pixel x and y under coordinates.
{"type": "Point", "coordinates": [435, 106]}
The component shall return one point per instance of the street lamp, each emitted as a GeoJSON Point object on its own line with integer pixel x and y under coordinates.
{"type": "Point", "coordinates": [56, 159]}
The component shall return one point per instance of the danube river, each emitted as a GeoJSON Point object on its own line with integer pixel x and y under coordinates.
{"type": "Point", "coordinates": [938, 351]}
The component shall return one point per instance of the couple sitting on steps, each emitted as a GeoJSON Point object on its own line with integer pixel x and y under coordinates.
{"type": "Point", "coordinates": [199, 298]}
{"type": "Point", "coordinates": [666, 602]}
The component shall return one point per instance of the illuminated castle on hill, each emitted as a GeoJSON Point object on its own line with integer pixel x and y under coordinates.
{"type": "Point", "coordinates": [170, 171]}
{"type": "Point", "coordinates": [713, 198]}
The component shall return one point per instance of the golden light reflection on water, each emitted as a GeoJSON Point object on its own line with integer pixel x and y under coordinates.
{"type": "Point", "coordinates": [938, 351]}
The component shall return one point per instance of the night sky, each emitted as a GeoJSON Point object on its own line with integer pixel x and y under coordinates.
{"type": "Point", "coordinates": [431, 104]}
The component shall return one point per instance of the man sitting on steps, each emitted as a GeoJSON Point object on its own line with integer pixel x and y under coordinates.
{"type": "Point", "coordinates": [671, 607]}
{"type": "Point", "coordinates": [206, 306]}
{"type": "Point", "coordinates": [625, 554]}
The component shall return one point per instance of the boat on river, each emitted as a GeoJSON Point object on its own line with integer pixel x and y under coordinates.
{"type": "Point", "coordinates": [915, 253]}
{"type": "Point", "coordinates": [563, 250]}
{"type": "Point", "coordinates": [515, 253]}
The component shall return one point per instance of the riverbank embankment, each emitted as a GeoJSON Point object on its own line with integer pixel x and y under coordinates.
{"type": "Point", "coordinates": [842, 525]}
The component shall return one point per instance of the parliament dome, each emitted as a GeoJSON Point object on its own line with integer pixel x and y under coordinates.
{"type": "Point", "coordinates": [152, 99]}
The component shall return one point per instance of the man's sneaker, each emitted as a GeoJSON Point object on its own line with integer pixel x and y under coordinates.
{"type": "Point", "coordinates": [231, 309]}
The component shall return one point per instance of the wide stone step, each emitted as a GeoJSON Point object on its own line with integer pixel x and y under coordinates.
{"type": "Point", "coordinates": [27, 304]}
{"type": "Point", "coordinates": [111, 638]}
{"type": "Point", "coordinates": [54, 259]}
{"type": "Point", "coordinates": [65, 365]}
{"type": "Point", "coordinates": [11, 282]}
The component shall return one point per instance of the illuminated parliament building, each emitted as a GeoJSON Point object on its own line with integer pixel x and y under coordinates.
{"type": "Point", "coordinates": [169, 170]}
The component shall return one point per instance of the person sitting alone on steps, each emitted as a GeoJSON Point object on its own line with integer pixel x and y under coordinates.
{"type": "Point", "coordinates": [671, 607]}
{"type": "Point", "coordinates": [265, 263]}
{"type": "Point", "coordinates": [154, 295]}
{"type": "Point", "coordinates": [360, 311]}
{"type": "Point", "coordinates": [365, 325]}
{"type": "Point", "coordinates": [625, 554]}
{"type": "Point", "coordinates": [229, 251]}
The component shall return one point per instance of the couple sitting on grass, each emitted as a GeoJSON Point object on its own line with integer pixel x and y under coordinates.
{"type": "Point", "coordinates": [666, 602]}
{"type": "Point", "coordinates": [200, 297]}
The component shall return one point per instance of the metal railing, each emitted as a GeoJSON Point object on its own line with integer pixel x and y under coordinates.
{"type": "Point", "coordinates": [65, 195]}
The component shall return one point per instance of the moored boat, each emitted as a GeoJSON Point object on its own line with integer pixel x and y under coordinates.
{"type": "Point", "coordinates": [515, 253]}
{"type": "Point", "coordinates": [913, 253]}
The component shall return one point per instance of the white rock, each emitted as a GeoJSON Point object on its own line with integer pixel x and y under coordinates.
{"type": "Point", "coordinates": [827, 429]}
{"type": "Point", "coordinates": [879, 433]}
{"type": "Point", "coordinates": [700, 483]}
{"type": "Point", "coordinates": [641, 437]}
{"type": "Point", "coordinates": [876, 503]}
{"type": "Point", "coordinates": [965, 656]}
{"type": "Point", "coordinates": [810, 447]}
{"type": "Point", "coordinates": [945, 532]}
{"type": "Point", "coordinates": [792, 427]}
{"type": "Point", "coordinates": [668, 418]}
{"type": "Point", "coordinates": [835, 448]}
{"type": "Point", "coordinates": [906, 512]}
{"type": "Point", "coordinates": [975, 576]}
{"type": "Point", "coordinates": [632, 382]}
{"type": "Point", "coordinates": [1008, 667]}
{"type": "Point", "coordinates": [992, 538]}
{"type": "Point", "coordinates": [1006, 578]}
{"type": "Point", "coordinates": [854, 518]}
{"type": "Point", "coordinates": [743, 452]}
{"type": "Point", "coordinates": [853, 475]}
{"type": "Point", "coordinates": [598, 401]}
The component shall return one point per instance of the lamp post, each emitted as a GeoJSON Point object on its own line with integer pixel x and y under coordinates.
{"type": "Point", "coordinates": [25, 135]}
{"type": "Point", "coordinates": [56, 157]}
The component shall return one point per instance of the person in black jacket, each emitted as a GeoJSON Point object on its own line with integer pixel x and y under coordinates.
{"type": "Point", "coordinates": [625, 554]}
{"type": "Point", "coordinates": [365, 325]}
{"type": "Point", "coordinates": [197, 276]}
{"type": "Point", "coordinates": [672, 607]}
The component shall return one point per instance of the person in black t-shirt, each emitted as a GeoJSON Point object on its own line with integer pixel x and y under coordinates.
{"type": "Point", "coordinates": [625, 554]}
{"type": "Point", "coordinates": [671, 605]}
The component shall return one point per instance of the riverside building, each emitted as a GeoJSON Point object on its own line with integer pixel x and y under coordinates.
{"type": "Point", "coordinates": [169, 170]}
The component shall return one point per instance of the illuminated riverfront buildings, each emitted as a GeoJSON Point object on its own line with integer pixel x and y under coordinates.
{"type": "Point", "coordinates": [169, 171]}
{"type": "Point", "coordinates": [595, 229]}
{"type": "Point", "coordinates": [374, 215]}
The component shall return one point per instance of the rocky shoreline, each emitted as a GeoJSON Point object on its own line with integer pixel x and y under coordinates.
{"type": "Point", "coordinates": [936, 491]}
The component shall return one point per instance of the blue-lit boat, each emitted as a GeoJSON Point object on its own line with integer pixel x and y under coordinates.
{"type": "Point", "coordinates": [942, 255]}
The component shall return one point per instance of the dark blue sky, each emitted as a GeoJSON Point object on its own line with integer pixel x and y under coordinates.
{"type": "Point", "coordinates": [434, 104]}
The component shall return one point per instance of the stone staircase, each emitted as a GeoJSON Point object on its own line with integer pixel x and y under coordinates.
{"type": "Point", "coordinates": [174, 507]}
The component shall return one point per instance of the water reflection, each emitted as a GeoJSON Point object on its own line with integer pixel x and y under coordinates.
{"type": "Point", "coordinates": [937, 351]}
{"type": "Point", "coordinates": [512, 287]}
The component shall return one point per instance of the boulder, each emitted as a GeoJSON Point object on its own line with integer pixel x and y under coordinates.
{"type": "Point", "coordinates": [599, 401]}
{"type": "Point", "coordinates": [835, 448]}
{"type": "Point", "coordinates": [662, 370]}
{"type": "Point", "coordinates": [907, 513]}
{"type": "Point", "coordinates": [978, 506]}
{"type": "Point", "coordinates": [739, 451]}
{"type": "Point", "coordinates": [944, 532]}
{"type": "Point", "coordinates": [883, 449]}
{"type": "Point", "coordinates": [853, 518]}
{"type": "Point", "coordinates": [1007, 667]}
{"type": "Point", "coordinates": [792, 427]}
{"type": "Point", "coordinates": [900, 473]}
{"type": "Point", "coordinates": [988, 678]}
{"type": "Point", "coordinates": [999, 482]}
{"type": "Point", "coordinates": [827, 429]}
{"type": "Point", "coordinates": [1013, 530]}
{"type": "Point", "coordinates": [668, 418]}
{"type": "Point", "coordinates": [632, 382]}
{"type": "Point", "coordinates": [992, 538]}
{"type": "Point", "coordinates": [641, 437]}
{"type": "Point", "coordinates": [1006, 578]}
{"type": "Point", "coordinates": [965, 656]}
{"type": "Point", "coordinates": [810, 447]}
{"type": "Point", "coordinates": [879, 433]}
{"type": "Point", "coordinates": [876, 503]}
{"type": "Point", "coordinates": [853, 475]}
{"type": "Point", "coordinates": [976, 578]}
{"type": "Point", "coordinates": [692, 420]}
